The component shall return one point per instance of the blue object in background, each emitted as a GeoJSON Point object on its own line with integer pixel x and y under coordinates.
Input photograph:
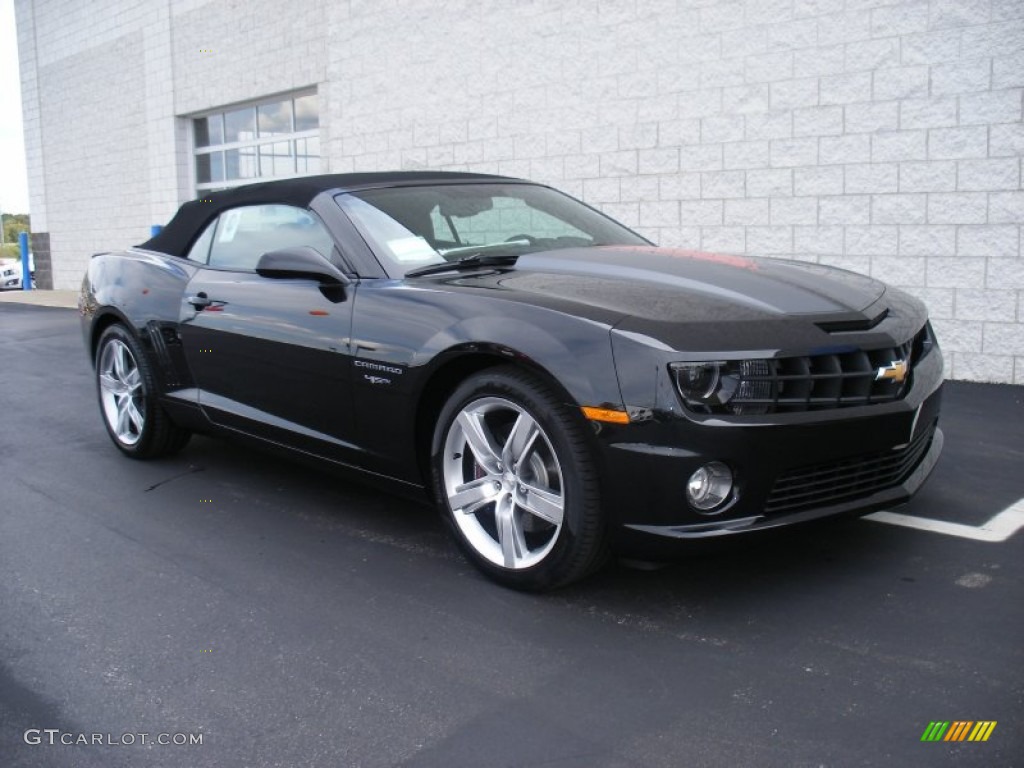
{"type": "Point", "coordinates": [26, 273]}
{"type": "Point", "coordinates": [154, 229]}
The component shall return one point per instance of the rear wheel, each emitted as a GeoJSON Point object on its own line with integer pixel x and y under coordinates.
{"type": "Point", "coordinates": [515, 479]}
{"type": "Point", "coordinates": [127, 389]}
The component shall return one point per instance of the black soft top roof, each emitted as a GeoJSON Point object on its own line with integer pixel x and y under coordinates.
{"type": "Point", "coordinates": [176, 238]}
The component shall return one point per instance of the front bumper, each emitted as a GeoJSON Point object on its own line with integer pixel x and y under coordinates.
{"type": "Point", "coordinates": [788, 469]}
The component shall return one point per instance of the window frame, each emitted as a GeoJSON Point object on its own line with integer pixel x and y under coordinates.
{"type": "Point", "coordinates": [255, 143]}
{"type": "Point", "coordinates": [211, 227]}
{"type": "Point", "coordinates": [214, 226]}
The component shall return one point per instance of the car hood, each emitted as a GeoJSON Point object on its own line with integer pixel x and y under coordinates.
{"type": "Point", "coordinates": [676, 284]}
{"type": "Point", "coordinates": [668, 295]}
{"type": "Point", "coordinates": [668, 284]}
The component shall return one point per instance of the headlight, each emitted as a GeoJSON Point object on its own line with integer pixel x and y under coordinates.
{"type": "Point", "coordinates": [707, 386]}
{"type": "Point", "coordinates": [924, 343]}
{"type": "Point", "coordinates": [707, 383]}
{"type": "Point", "coordinates": [698, 381]}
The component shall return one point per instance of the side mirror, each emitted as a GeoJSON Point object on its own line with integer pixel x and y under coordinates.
{"type": "Point", "coordinates": [300, 261]}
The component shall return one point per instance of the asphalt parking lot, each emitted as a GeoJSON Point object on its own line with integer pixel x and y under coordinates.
{"type": "Point", "coordinates": [294, 619]}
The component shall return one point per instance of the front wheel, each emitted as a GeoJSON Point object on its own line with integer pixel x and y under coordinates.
{"type": "Point", "coordinates": [515, 479]}
{"type": "Point", "coordinates": [127, 389]}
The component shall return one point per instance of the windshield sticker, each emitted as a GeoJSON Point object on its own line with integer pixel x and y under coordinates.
{"type": "Point", "coordinates": [412, 249]}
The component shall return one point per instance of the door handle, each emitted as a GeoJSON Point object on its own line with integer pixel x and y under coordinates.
{"type": "Point", "coordinates": [200, 300]}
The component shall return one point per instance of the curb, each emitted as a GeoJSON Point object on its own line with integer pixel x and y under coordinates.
{"type": "Point", "coordinates": [67, 299]}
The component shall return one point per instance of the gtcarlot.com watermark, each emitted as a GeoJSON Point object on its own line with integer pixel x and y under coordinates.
{"type": "Point", "coordinates": [54, 736]}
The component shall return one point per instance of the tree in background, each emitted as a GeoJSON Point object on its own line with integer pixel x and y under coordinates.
{"type": "Point", "coordinates": [14, 224]}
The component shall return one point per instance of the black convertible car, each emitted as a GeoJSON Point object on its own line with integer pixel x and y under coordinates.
{"type": "Point", "coordinates": [564, 389]}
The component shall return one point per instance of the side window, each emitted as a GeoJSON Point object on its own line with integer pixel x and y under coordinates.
{"type": "Point", "coordinates": [200, 250]}
{"type": "Point", "coordinates": [244, 234]}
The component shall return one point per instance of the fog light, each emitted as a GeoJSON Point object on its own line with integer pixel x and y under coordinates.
{"type": "Point", "coordinates": [709, 486]}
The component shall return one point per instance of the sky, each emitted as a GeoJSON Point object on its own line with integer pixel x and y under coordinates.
{"type": "Point", "coordinates": [13, 178]}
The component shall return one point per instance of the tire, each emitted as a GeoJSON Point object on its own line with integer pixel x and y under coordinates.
{"type": "Point", "coordinates": [127, 391]}
{"type": "Point", "coordinates": [514, 477]}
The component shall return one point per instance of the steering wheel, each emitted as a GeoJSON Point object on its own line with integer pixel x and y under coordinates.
{"type": "Point", "coordinates": [528, 238]}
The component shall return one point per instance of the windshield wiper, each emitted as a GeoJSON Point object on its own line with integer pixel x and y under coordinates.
{"type": "Point", "coordinates": [466, 262]}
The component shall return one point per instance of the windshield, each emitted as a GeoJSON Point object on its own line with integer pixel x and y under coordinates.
{"type": "Point", "coordinates": [411, 227]}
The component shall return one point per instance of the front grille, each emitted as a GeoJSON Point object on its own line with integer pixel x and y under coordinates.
{"type": "Point", "coordinates": [817, 382]}
{"type": "Point", "coordinates": [842, 378]}
{"type": "Point", "coordinates": [847, 479]}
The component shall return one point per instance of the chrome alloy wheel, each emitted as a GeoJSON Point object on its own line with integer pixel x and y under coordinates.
{"type": "Point", "coordinates": [503, 482]}
{"type": "Point", "coordinates": [121, 392]}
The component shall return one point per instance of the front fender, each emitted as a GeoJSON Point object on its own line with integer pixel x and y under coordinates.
{"type": "Point", "coordinates": [402, 336]}
{"type": "Point", "coordinates": [579, 358]}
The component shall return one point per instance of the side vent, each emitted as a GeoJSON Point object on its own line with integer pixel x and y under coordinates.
{"type": "Point", "coordinates": [158, 343]}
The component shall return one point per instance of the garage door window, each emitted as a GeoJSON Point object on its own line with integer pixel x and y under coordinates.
{"type": "Point", "coordinates": [277, 138]}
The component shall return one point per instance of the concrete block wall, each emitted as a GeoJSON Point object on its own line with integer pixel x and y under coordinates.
{"type": "Point", "coordinates": [31, 118]}
{"type": "Point", "coordinates": [96, 157]}
{"type": "Point", "coordinates": [254, 49]}
{"type": "Point", "coordinates": [107, 87]}
{"type": "Point", "coordinates": [877, 135]}
{"type": "Point", "coordinates": [84, 82]}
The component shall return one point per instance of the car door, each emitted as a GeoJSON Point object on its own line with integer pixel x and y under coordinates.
{"type": "Point", "coordinates": [270, 356]}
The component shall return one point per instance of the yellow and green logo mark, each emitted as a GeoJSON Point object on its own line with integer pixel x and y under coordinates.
{"type": "Point", "coordinates": [958, 730]}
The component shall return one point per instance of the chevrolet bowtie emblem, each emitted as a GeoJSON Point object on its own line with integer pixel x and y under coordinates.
{"type": "Point", "coordinates": [894, 371]}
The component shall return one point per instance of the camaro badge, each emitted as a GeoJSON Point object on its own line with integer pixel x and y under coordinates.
{"type": "Point", "coordinates": [894, 371]}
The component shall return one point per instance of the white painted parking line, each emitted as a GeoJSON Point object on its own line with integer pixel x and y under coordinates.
{"type": "Point", "coordinates": [999, 528]}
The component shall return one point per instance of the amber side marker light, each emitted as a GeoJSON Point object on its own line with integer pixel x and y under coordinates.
{"type": "Point", "coordinates": [606, 414]}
